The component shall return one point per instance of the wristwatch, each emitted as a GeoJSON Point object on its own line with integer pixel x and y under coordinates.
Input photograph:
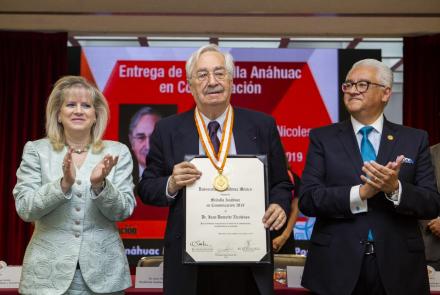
{"type": "Point", "coordinates": [394, 195]}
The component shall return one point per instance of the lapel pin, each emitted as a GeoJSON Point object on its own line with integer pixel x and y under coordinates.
{"type": "Point", "coordinates": [390, 137]}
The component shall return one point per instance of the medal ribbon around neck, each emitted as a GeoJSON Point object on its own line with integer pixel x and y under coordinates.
{"type": "Point", "coordinates": [218, 160]}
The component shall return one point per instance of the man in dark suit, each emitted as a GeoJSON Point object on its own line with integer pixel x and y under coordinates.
{"type": "Point", "coordinates": [367, 181]}
{"type": "Point", "coordinates": [139, 131]}
{"type": "Point", "coordinates": [431, 228]}
{"type": "Point", "coordinates": [209, 73]}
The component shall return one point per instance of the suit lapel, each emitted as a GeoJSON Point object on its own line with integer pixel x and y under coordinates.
{"type": "Point", "coordinates": [387, 143]}
{"type": "Point", "coordinates": [186, 138]}
{"type": "Point", "coordinates": [350, 145]}
{"type": "Point", "coordinates": [245, 135]}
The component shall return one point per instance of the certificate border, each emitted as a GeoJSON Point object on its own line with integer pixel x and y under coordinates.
{"type": "Point", "coordinates": [267, 259]}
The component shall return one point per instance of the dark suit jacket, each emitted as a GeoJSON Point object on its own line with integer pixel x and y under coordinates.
{"type": "Point", "coordinates": [432, 242]}
{"type": "Point", "coordinates": [335, 256]}
{"type": "Point", "coordinates": [176, 136]}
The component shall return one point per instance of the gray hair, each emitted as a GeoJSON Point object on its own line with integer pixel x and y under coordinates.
{"type": "Point", "coordinates": [138, 115]}
{"type": "Point", "coordinates": [384, 73]}
{"type": "Point", "coordinates": [191, 62]}
{"type": "Point", "coordinates": [55, 130]}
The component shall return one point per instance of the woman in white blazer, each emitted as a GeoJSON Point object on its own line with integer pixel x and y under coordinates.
{"type": "Point", "coordinates": [74, 186]}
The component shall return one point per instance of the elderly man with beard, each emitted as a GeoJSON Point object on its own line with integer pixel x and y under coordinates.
{"type": "Point", "coordinates": [209, 74]}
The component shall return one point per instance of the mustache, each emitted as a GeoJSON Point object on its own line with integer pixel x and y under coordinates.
{"type": "Point", "coordinates": [144, 151]}
{"type": "Point", "coordinates": [214, 89]}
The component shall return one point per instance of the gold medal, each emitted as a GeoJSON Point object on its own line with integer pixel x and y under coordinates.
{"type": "Point", "coordinates": [221, 183]}
{"type": "Point", "coordinates": [218, 160]}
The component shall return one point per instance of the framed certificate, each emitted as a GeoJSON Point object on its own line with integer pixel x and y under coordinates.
{"type": "Point", "coordinates": [224, 226]}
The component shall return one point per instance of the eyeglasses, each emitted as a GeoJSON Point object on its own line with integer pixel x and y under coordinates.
{"type": "Point", "coordinates": [219, 75]}
{"type": "Point", "coordinates": [361, 86]}
{"type": "Point", "coordinates": [140, 137]}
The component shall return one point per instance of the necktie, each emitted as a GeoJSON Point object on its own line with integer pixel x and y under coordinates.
{"type": "Point", "coordinates": [368, 154]}
{"type": "Point", "coordinates": [367, 149]}
{"type": "Point", "coordinates": [213, 127]}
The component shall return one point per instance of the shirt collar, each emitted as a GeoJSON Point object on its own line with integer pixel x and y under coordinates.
{"type": "Point", "coordinates": [220, 119]}
{"type": "Point", "coordinates": [377, 125]}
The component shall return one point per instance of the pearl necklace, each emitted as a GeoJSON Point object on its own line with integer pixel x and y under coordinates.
{"type": "Point", "coordinates": [79, 151]}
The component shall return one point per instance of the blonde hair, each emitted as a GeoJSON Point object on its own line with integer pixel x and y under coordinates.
{"type": "Point", "coordinates": [55, 130]}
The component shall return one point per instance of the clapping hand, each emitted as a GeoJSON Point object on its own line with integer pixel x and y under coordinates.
{"type": "Point", "coordinates": [102, 169]}
{"type": "Point", "coordinates": [381, 178]}
{"type": "Point", "coordinates": [69, 172]}
{"type": "Point", "coordinates": [434, 226]}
